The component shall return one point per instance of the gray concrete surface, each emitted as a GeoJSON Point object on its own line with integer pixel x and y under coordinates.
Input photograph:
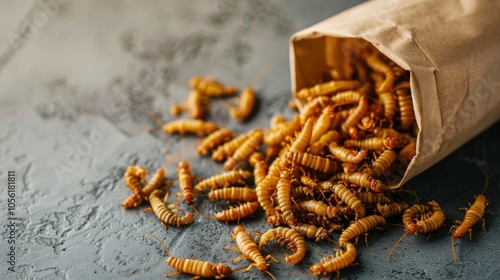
{"type": "Point", "coordinates": [73, 102]}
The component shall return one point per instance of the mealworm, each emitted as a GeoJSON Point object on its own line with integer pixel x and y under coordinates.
{"type": "Point", "coordinates": [156, 181]}
{"type": "Point", "coordinates": [373, 143]}
{"type": "Point", "coordinates": [382, 163]}
{"type": "Point", "coordinates": [246, 105]}
{"type": "Point", "coordinates": [275, 137]}
{"type": "Point", "coordinates": [356, 116]}
{"type": "Point", "coordinates": [296, 241]}
{"type": "Point", "coordinates": [134, 177]}
{"type": "Point", "coordinates": [318, 207]}
{"type": "Point", "coordinates": [185, 179]}
{"type": "Point", "coordinates": [265, 188]}
{"type": "Point", "coordinates": [211, 88]}
{"type": "Point", "coordinates": [214, 139]}
{"type": "Point", "coordinates": [350, 199]}
{"type": "Point", "coordinates": [246, 149]}
{"type": "Point", "coordinates": [435, 221]}
{"type": "Point", "coordinates": [301, 143]}
{"type": "Point", "coordinates": [322, 124]}
{"type": "Point", "coordinates": [250, 250]}
{"type": "Point", "coordinates": [368, 198]}
{"type": "Point", "coordinates": [361, 179]}
{"type": "Point", "coordinates": [317, 163]}
{"type": "Point", "coordinates": [311, 231]}
{"type": "Point", "coordinates": [284, 189]}
{"type": "Point", "coordinates": [327, 88]}
{"type": "Point", "coordinates": [227, 149]}
{"type": "Point", "coordinates": [347, 97]}
{"type": "Point", "coordinates": [410, 214]}
{"type": "Point", "coordinates": [199, 268]}
{"type": "Point", "coordinates": [195, 267]}
{"type": "Point", "coordinates": [330, 264]}
{"type": "Point", "coordinates": [376, 64]}
{"type": "Point", "coordinates": [166, 215]}
{"type": "Point", "coordinates": [197, 104]}
{"type": "Point", "coordinates": [232, 214]}
{"type": "Point", "coordinates": [406, 113]}
{"type": "Point", "coordinates": [424, 224]}
{"type": "Point", "coordinates": [392, 209]}
{"type": "Point", "coordinates": [260, 170]}
{"type": "Point", "coordinates": [188, 126]}
{"type": "Point", "coordinates": [389, 103]}
{"type": "Point", "coordinates": [360, 226]}
{"type": "Point", "coordinates": [472, 216]}
{"type": "Point", "coordinates": [346, 155]}
{"type": "Point", "coordinates": [233, 194]}
{"type": "Point", "coordinates": [225, 179]}
{"type": "Point", "coordinates": [308, 181]}
{"type": "Point", "coordinates": [313, 107]}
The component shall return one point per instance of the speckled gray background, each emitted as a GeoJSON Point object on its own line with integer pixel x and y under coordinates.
{"type": "Point", "coordinates": [76, 81]}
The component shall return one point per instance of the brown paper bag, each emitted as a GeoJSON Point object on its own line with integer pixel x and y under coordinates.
{"type": "Point", "coordinates": [450, 47]}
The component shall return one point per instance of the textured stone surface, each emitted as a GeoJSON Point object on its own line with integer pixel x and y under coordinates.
{"type": "Point", "coordinates": [74, 99]}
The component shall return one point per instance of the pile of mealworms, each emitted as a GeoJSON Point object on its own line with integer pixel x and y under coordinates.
{"type": "Point", "coordinates": [327, 169]}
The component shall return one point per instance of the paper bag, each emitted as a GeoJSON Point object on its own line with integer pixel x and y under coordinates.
{"type": "Point", "coordinates": [450, 47]}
